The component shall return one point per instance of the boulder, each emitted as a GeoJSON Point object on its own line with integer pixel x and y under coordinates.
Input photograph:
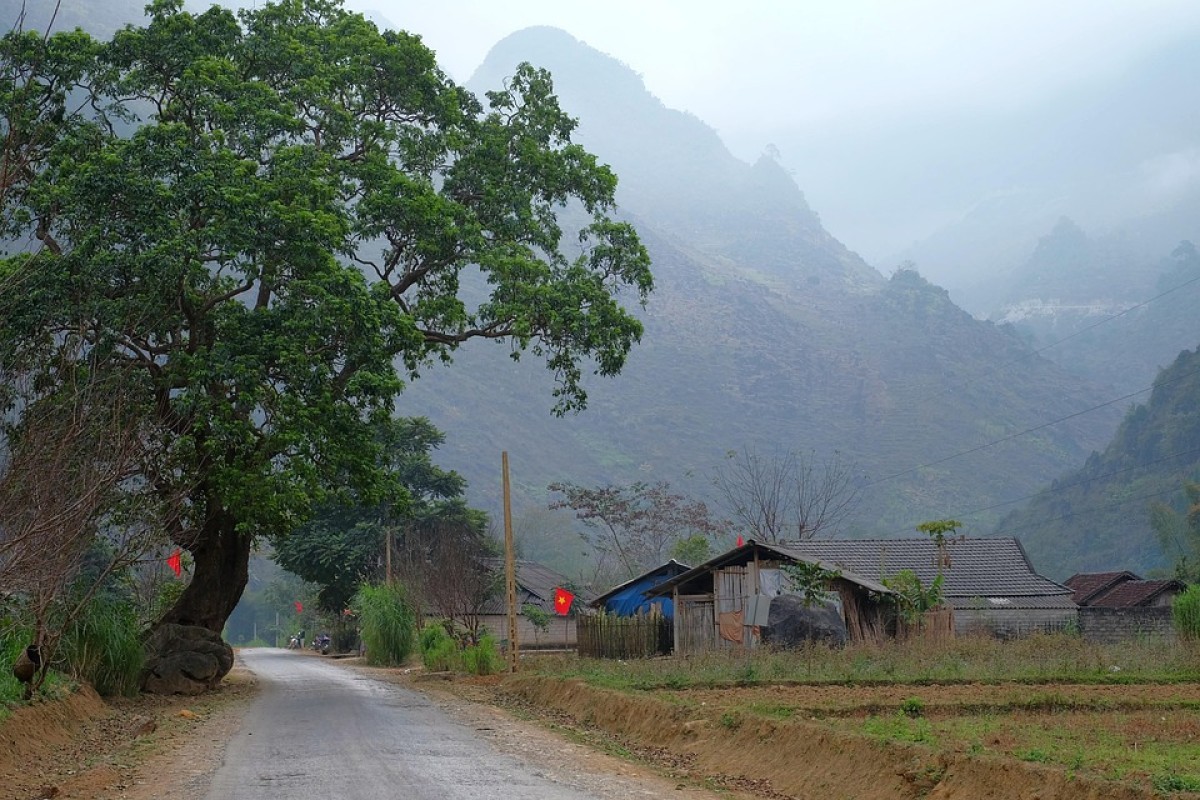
{"type": "Point", "coordinates": [185, 659]}
{"type": "Point", "coordinates": [790, 623]}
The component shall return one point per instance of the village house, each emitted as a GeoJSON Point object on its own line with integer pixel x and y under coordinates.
{"type": "Point", "coordinates": [990, 586]}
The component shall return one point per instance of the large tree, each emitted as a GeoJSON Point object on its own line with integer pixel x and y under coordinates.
{"type": "Point", "coordinates": [269, 221]}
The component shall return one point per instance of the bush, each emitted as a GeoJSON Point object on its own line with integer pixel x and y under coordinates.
{"type": "Point", "coordinates": [1186, 612]}
{"type": "Point", "coordinates": [387, 623]}
{"type": "Point", "coordinates": [483, 658]}
{"type": "Point", "coordinates": [103, 647]}
{"type": "Point", "coordinates": [439, 652]}
{"type": "Point", "coordinates": [13, 641]}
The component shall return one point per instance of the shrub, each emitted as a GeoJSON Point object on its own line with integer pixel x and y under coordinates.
{"type": "Point", "coordinates": [483, 658]}
{"type": "Point", "coordinates": [439, 652]}
{"type": "Point", "coordinates": [13, 641]}
{"type": "Point", "coordinates": [103, 647]}
{"type": "Point", "coordinates": [387, 623]}
{"type": "Point", "coordinates": [1186, 612]}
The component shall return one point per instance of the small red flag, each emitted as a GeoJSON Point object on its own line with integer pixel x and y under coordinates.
{"type": "Point", "coordinates": [175, 562]}
{"type": "Point", "coordinates": [562, 601]}
{"type": "Point", "coordinates": [299, 607]}
{"type": "Point", "coordinates": [740, 540]}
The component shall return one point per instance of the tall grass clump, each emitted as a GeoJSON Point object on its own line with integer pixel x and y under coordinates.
{"type": "Point", "coordinates": [483, 658]}
{"type": "Point", "coordinates": [103, 647]}
{"type": "Point", "coordinates": [13, 641]}
{"type": "Point", "coordinates": [1186, 612]}
{"type": "Point", "coordinates": [387, 622]}
{"type": "Point", "coordinates": [439, 652]}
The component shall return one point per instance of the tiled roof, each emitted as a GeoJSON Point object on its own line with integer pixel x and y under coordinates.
{"type": "Point", "coordinates": [1134, 593]}
{"type": "Point", "coordinates": [979, 568]}
{"type": "Point", "coordinates": [1088, 585]}
{"type": "Point", "coordinates": [535, 584]}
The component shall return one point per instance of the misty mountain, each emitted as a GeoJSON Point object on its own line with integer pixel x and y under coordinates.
{"type": "Point", "coordinates": [1121, 156]}
{"type": "Point", "coordinates": [764, 332]}
{"type": "Point", "coordinates": [1099, 310]}
{"type": "Point", "coordinates": [1097, 518]}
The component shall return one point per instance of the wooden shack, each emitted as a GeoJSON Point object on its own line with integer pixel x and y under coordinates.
{"type": "Point", "coordinates": [722, 604]}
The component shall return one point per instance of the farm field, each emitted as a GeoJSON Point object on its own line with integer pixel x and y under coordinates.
{"type": "Point", "coordinates": [1047, 717]}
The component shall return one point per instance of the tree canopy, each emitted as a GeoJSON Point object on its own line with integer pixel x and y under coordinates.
{"type": "Point", "coordinates": [268, 221]}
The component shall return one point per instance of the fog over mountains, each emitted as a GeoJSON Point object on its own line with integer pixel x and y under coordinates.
{"type": "Point", "coordinates": [767, 331]}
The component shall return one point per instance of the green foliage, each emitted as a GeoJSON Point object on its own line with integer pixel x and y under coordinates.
{"type": "Point", "coordinates": [1111, 511]}
{"type": "Point", "coordinates": [912, 707]}
{"type": "Point", "coordinates": [439, 650]}
{"type": "Point", "coordinates": [537, 616]}
{"type": "Point", "coordinates": [692, 550]}
{"type": "Point", "coordinates": [387, 623]}
{"type": "Point", "coordinates": [1186, 612]}
{"type": "Point", "coordinates": [167, 594]}
{"type": "Point", "coordinates": [1179, 533]}
{"type": "Point", "coordinates": [811, 581]}
{"type": "Point", "coordinates": [912, 598]}
{"type": "Point", "coordinates": [103, 646]}
{"type": "Point", "coordinates": [276, 236]}
{"type": "Point", "coordinates": [14, 638]}
{"type": "Point", "coordinates": [483, 658]}
{"type": "Point", "coordinates": [1175, 782]}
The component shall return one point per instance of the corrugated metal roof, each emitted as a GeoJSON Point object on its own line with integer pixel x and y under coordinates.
{"type": "Point", "coordinates": [991, 567]}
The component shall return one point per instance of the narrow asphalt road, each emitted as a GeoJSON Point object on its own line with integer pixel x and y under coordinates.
{"type": "Point", "coordinates": [319, 731]}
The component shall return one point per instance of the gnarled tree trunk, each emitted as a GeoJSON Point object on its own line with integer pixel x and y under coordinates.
{"type": "Point", "coordinates": [186, 654]}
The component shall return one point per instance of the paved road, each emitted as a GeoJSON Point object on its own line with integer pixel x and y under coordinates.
{"type": "Point", "coordinates": [318, 731]}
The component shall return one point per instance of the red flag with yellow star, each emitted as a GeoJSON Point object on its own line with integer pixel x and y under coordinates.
{"type": "Point", "coordinates": [562, 600]}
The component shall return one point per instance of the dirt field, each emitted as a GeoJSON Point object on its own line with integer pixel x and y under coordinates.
{"type": "Point", "coordinates": [975, 742]}
{"type": "Point", "coordinates": [948, 742]}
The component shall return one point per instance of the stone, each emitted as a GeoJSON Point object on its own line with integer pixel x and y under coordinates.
{"type": "Point", "coordinates": [185, 659]}
{"type": "Point", "coordinates": [790, 623]}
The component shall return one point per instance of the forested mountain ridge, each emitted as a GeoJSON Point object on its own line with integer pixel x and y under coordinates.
{"type": "Point", "coordinates": [1097, 518]}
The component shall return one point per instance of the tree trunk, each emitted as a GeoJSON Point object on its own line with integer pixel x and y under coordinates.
{"type": "Point", "coordinates": [222, 557]}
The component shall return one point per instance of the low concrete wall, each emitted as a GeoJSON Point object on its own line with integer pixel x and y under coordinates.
{"type": "Point", "coordinates": [1009, 623]}
{"type": "Point", "coordinates": [1108, 625]}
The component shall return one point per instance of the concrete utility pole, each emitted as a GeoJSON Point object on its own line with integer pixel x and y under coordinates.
{"type": "Point", "coordinates": [510, 570]}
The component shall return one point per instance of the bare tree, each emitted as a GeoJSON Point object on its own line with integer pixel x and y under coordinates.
{"type": "Point", "coordinates": [65, 499]}
{"type": "Point", "coordinates": [787, 495]}
{"type": "Point", "coordinates": [444, 565]}
{"type": "Point", "coordinates": [638, 524]}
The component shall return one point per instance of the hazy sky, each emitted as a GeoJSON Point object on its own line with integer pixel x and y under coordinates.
{"type": "Point", "coordinates": [783, 73]}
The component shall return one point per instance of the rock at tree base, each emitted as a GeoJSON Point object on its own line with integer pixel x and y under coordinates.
{"type": "Point", "coordinates": [185, 659]}
{"type": "Point", "coordinates": [791, 623]}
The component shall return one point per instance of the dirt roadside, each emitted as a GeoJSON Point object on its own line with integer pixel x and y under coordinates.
{"type": "Point", "coordinates": [158, 748]}
{"type": "Point", "coordinates": [603, 742]}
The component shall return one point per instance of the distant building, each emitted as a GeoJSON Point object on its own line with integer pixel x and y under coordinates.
{"type": "Point", "coordinates": [1121, 590]}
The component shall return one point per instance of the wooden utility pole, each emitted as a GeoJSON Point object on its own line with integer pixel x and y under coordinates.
{"type": "Point", "coordinates": [510, 570]}
{"type": "Point", "coordinates": [388, 557]}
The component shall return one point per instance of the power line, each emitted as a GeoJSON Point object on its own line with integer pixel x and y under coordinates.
{"type": "Point", "coordinates": [1034, 429]}
{"type": "Point", "coordinates": [1080, 482]}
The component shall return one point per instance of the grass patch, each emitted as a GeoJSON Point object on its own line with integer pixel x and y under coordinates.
{"type": "Point", "coordinates": [1041, 659]}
